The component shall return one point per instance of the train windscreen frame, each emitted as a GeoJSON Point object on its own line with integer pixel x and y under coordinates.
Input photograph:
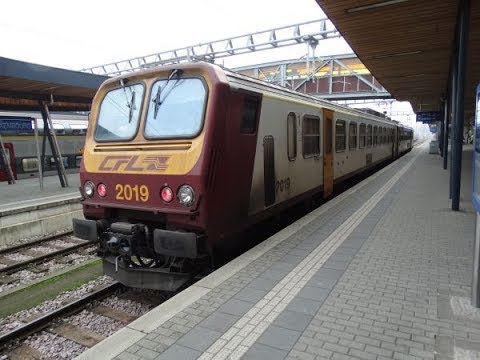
{"type": "Point", "coordinates": [119, 113]}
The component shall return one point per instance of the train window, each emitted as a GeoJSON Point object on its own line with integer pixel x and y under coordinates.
{"type": "Point", "coordinates": [29, 164]}
{"type": "Point", "coordinates": [363, 135]}
{"type": "Point", "coordinates": [375, 135]}
{"type": "Point", "coordinates": [292, 136]}
{"type": "Point", "coordinates": [79, 131]}
{"type": "Point", "coordinates": [384, 135]}
{"type": "Point", "coordinates": [176, 109]}
{"type": "Point", "coordinates": [64, 160]}
{"type": "Point", "coordinates": [249, 116]}
{"type": "Point", "coordinates": [78, 160]}
{"type": "Point", "coordinates": [369, 135]}
{"type": "Point", "coordinates": [352, 136]}
{"type": "Point", "coordinates": [119, 113]}
{"type": "Point", "coordinates": [311, 136]}
{"type": "Point", "coordinates": [340, 135]}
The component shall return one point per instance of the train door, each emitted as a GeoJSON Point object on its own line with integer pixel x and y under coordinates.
{"type": "Point", "coordinates": [395, 142]}
{"type": "Point", "coordinates": [327, 152]}
{"type": "Point", "coordinates": [11, 159]}
{"type": "Point", "coordinates": [269, 170]}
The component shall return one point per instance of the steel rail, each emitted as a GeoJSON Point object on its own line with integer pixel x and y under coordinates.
{"type": "Point", "coordinates": [34, 242]}
{"type": "Point", "coordinates": [23, 264]}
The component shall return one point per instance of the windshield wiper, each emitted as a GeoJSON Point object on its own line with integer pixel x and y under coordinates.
{"type": "Point", "coordinates": [132, 107]}
{"type": "Point", "coordinates": [157, 101]}
{"type": "Point", "coordinates": [131, 102]}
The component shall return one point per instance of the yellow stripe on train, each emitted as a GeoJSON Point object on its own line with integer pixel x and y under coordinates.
{"type": "Point", "coordinates": [135, 159]}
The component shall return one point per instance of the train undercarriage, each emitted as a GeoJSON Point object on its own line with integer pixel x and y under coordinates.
{"type": "Point", "coordinates": [141, 256]}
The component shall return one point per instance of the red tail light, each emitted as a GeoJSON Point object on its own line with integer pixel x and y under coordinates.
{"type": "Point", "coordinates": [167, 194]}
{"type": "Point", "coordinates": [102, 190]}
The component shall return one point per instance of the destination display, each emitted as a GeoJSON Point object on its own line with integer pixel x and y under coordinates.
{"type": "Point", "coordinates": [428, 117]}
{"type": "Point", "coordinates": [15, 125]}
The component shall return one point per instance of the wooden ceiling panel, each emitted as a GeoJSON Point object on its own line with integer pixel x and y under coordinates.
{"type": "Point", "coordinates": [408, 45]}
{"type": "Point", "coordinates": [23, 85]}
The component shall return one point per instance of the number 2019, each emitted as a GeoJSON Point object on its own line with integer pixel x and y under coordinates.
{"type": "Point", "coordinates": [129, 193]}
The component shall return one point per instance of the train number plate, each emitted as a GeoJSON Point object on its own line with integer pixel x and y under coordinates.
{"type": "Point", "coordinates": [131, 192]}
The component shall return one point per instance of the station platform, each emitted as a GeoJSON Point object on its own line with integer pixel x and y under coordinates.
{"type": "Point", "coordinates": [382, 271]}
{"type": "Point", "coordinates": [26, 192]}
{"type": "Point", "coordinates": [26, 211]}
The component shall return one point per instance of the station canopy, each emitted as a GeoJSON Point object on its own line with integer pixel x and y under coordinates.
{"type": "Point", "coordinates": [408, 45]}
{"type": "Point", "coordinates": [24, 85]}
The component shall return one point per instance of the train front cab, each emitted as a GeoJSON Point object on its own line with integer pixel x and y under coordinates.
{"type": "Point", "coordinates": [160, 205]}
{"type": "Point", "coordinates": [143, 174]}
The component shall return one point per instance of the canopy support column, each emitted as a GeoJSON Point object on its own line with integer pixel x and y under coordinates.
{"type": "Point", "coordinates": [457, 143]}
{"type": "Point", "coordinates": [49, 132]}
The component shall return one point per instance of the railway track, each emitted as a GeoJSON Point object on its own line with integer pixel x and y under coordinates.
{"type": "Point", "coordinates": [38, 241]}
{"type": "Point", "coordinates": [77, 325]}
{"type": "Point", "coordinates": [32, 260]}
{"type": "Point", "coordinates": [36, 325]}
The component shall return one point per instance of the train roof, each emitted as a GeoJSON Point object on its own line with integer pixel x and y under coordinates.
{"type": "Point", "coordinates": [249, 83]}
{"type": "Point", "coordinates": [239, 79]}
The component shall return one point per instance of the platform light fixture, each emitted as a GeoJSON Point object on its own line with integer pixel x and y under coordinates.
{"type": "Point", "coordinates": [374, 5]}
{"type": "Point", "coordinates": [414, 75]}
{"type": "Point", "coordinates": [404, 53]}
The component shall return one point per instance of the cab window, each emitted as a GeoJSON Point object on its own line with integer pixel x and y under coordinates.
{"type": "Point", "coordinates": [176, 108]}
{"type": "Point", "coordinates": [119, 113]}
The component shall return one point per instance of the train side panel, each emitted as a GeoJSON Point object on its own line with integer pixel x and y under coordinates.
{"type": "Point", "coordinates": [369, 147]}
{"type": "Point", "coordinates": [293, 175]}
{"type": "Point", "coordinates": [71, 147]}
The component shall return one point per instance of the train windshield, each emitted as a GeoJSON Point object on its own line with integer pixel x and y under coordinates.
{"type": "Point", "coordinates": [176, 108]}
{"type": "Point", "coordinates": [119, 113]}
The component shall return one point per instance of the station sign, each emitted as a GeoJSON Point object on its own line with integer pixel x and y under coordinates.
{"type": "Point", "coordinates": [428, 117]}
{"type": "Point", "coordinates": [16, 125]}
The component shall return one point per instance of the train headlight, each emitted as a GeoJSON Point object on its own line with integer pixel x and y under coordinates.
{"type": "Point", "coordinates": [186, 195]}
{"type": "Point", "coordinates": [89, 188]}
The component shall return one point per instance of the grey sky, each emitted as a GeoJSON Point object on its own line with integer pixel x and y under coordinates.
{"type": "Point", "coordinates": [81, 34]}
{"type": "Point", "coordinates": [75, 35]}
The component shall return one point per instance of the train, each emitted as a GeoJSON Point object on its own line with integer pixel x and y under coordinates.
{"type": "Point", "coordinates": [180, 160]}
{"type": "Point", "coordinates": [70, 129]}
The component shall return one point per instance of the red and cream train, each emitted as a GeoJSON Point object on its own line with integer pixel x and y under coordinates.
{"type": "Point", "coordinates": [179, 160]}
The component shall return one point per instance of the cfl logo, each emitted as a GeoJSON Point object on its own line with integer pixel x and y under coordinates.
{"type": "Point", "coordinates": [134, 163]}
